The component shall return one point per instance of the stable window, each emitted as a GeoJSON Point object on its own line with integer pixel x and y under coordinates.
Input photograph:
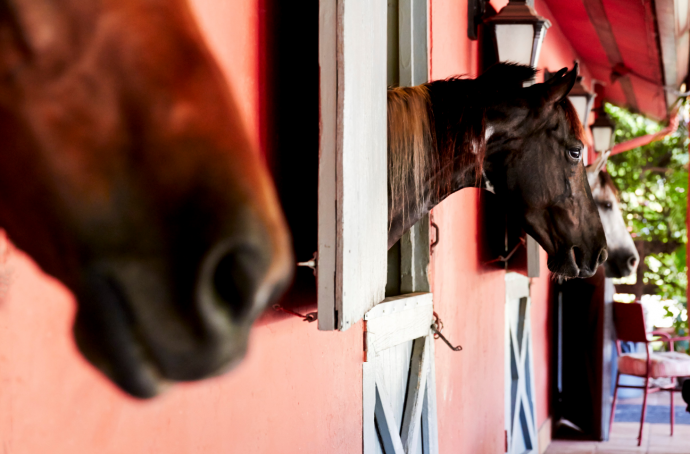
{"type": "Point", "coordinates": [364, 47]}
{"type": "Point", "coordinates": [356, 66]}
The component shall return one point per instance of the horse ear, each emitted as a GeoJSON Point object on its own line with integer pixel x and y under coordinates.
{"type": "Point", "coordinates": [506, 75]}
{"type": "Point", "coordinates": [596, 167]}
{"type": "Point", "coordinates": [560, 85]}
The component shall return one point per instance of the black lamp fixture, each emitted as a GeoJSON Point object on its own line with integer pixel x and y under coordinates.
{"type": "Point", "coordinates": [518, 33]}
{"type": "Point", "coordinates": [582, 101]}
{"type": "Point", "coordinates": [602, 130]}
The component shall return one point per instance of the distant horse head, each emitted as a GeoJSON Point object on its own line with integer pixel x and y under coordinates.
{"type": "Point", "coordinates": [127, 174]}
{"type": "Point", "coordinates": [443, 136]}
{"type": "Point", "coordinates": [623, 255]}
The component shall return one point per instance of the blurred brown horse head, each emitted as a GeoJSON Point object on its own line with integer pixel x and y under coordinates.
{"type": "Point", "coordinates": [127, 175]}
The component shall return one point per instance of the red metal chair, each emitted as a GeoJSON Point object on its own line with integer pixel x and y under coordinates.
{"type": "Point", "coordinates": [629, 321]}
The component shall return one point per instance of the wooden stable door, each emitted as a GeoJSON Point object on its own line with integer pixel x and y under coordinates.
{"type": "Point", "coordinates": [363, 46]}
{"type": "Point", "coordinates": [521, 419]}
{"type": "Point", "coordinates": [399, 386]}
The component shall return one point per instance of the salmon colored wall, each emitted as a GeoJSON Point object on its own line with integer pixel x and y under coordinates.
{"type": "Point", "coordinates": [298, 390]}
{"type": "Point", "coordinates": [232, 30]}
{"type": "Point", "coordinates": [469, 299]}
{"type": "Point", "coordinates": [456, 268]}
{"type": "Point", "coordinates": [452, 53]}
{"type": "Point", "coordinates": [556, 54]}
{"type": "Point", "coordinates": [294, 383]}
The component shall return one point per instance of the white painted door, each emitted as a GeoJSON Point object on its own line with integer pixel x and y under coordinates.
{"type": "Point", "coordinates": [399, 385]}
{"type": "Point", "coordinates": [353, 204]}
{"type": "Point", "coordinates": [520, 419]}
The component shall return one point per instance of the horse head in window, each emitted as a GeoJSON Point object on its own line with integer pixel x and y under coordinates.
{"type": "Point", "coordinates": [623, 255]}
{"type": "Point", "coordinates": [127, 175]}
{"type": "Point", "coordinates": [527, 141]}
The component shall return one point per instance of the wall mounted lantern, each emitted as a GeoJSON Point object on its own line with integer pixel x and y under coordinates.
{"type": "Point", "coordinates": [582, 100]}
{"type": "Point", "coordinates": [602, 130]}
{"type": "Point", "coordinates": [518, 33]}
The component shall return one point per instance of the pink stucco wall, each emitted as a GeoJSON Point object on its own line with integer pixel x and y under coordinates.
{"type": "Point", "coordinates": [468, 298]}
{"type": "Point", "coordinates": [476, 297]}
{"type": "Point", "coordinates": [470, 301]}
{"type": "Point", "coordinates": [290, 387]}
{"type": "Point", "coordinates": [299, 390]}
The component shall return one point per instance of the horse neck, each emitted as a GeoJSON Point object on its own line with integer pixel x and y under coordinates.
{"type": "Point", "coordinates": [431, 153]}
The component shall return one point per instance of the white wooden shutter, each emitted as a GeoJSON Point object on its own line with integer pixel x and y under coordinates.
{"type": "Point", "coordinates": [520, 411]}
{"type": "Point", "coordinates": [399, 384]}
{"type": "Point", "coordinates": [353, 201]}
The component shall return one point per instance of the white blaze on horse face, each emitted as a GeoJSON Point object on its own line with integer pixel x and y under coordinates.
{"type": "Point", "coordinates": [489, 132]}
{"type": "Point", "coordinates": [620, 244]}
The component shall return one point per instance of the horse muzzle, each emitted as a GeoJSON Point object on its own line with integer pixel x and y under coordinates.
{"type": "Point", "coordinates": [622, 263]}
{"type": "Point", "coordinates": [144, 324]}
{"type": "Point", "coordinates": [574, 262]}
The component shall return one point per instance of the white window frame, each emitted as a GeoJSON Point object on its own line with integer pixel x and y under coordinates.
{"type": "Point", "coordinates": [352, 244]}
{"type": "Point", "coordinates": [353, 204]}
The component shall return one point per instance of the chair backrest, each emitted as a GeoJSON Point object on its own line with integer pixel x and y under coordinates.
{"type": "Point", "coordinates": [629, 321]}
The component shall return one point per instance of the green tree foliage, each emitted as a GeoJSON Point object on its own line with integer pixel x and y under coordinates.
{"type": "Point", "coordinates": [653, 184]}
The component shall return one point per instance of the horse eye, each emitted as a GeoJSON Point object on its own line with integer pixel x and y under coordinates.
{"type": "Point", "coordinates": [608, 205]}
{"type": "Point", "coordinates": [575, 153]}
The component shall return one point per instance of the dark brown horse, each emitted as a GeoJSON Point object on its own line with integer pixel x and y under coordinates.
{"type": "Point", "coordinates": [126, 174]}
{"type": "Point", "coordinates": [528, 142]}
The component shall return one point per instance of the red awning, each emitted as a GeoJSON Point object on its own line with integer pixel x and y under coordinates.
{"type": "Point", "coordinates": [635, 48]}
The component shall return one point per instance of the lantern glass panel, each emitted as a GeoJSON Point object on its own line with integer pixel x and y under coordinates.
{"type": "Point", "coordinates": [602, 138]}
{"type": "Point", "coordinates": [580, 104]}
{"type": "Point", "coordinates": [514, 42]}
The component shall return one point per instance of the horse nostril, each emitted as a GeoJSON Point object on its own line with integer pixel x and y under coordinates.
{"type": "Point", "coordinates": [235, 280]}
{"type": "Point", "coordinates": [603, 255]}
{"type": "Point", "coordinates": [632, 261]}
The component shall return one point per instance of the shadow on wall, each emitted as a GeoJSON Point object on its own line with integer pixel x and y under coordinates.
{"type": "Point", "coordinates": [292, 137]}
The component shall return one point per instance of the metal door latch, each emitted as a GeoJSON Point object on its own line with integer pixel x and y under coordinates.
{"type": "Point", "coordinates": [313, 263]}
{"type": "Point", "coordinates": [436, 327]}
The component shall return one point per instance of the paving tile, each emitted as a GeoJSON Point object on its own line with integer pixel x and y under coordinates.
{"type": "Point", "coordinates": [656, 439]}
{"type": "Point", "coordinates": [626, 447]}
{"type": "Point", "coordinates": [664, 429]}
{"type": "Point", "coordinates": [570, 450]}
{"type": "Point", "coordinates": [606, 450]}
{"type": "Point", "coordinates": [655, 399]}
{"type": "Point", "coordinates": [670, 449]}
{"type": "Point", "coordinates": [571, 447]}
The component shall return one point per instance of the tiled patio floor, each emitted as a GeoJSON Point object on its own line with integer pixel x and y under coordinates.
{"type": "Point", "coordinates": [623, 440]}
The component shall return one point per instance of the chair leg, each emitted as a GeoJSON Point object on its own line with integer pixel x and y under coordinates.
{"type": "Point", "coordinates": [613, 404]}
{"type": "Point", "coordinates": [673, 413]}
{"type": "Point", "coordinates": [644, 409]}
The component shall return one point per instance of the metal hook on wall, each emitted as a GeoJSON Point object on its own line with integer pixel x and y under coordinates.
{"type": "Point", "coordinates": [437, 327]}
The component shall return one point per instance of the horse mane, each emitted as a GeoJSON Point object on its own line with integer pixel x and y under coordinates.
{"type": "Point", "coordinates": [439, 126]}
{"type": "Point", "coordinates": [571, 116]}
{"type": "Point", "coordinates": [605, 181]}
{"type": "Point", "coordinates": [410, 142]}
